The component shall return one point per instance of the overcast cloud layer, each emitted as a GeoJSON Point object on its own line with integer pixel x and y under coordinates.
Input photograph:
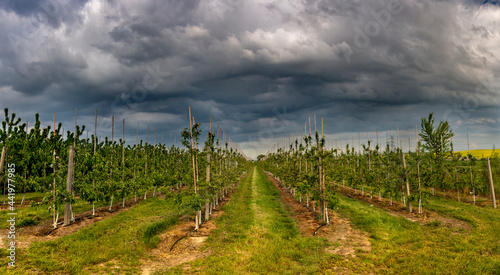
{"type": "Point", "coordinates": [260, 68]}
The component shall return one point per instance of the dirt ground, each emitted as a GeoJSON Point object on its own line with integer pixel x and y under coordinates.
{"type": "Point", "coordinates": [190, 244]}
{"type": "Point", "coordinates": [346, 240]}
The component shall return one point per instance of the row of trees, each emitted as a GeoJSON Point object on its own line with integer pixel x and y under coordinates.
{"type": "Point", "coordinates": [109, 170]}
{"type": "Point", "coordinates": [302, 166]}
{"type": "Point", "coordinates": [221, 162]}
{"type": "Point", "coordinates": [384, 172]}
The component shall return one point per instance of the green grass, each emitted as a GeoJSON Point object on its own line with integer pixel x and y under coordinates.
{"type": "Point", "coordinates": [117, 243]}
{"type": "Point", "coordinates": [150, 236]}
{"type": "Point", "coordinates": [256, 235]}
{"type": "Point", "coordinates": [40, 213]}
{"type": "Point", "coordinates": [28, 196]}
{"type": "Point", "coordinates": [400, 246]}
{"type": "Point", "coordinates": [31, 215]}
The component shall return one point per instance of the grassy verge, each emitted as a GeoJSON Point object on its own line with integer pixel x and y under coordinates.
{"type": "Point", "coordinates": [404, 247]}
{"type": "Point", "coordinates": [111, 245]}
{"type": "Point", "coordinates": [27, 196]}
{"type": "Point", "coordinates": [36, 214]}
{"type": "Point", "coordinates": [40, 213]}
{"type": "Point", "coordinates": [256, 235]}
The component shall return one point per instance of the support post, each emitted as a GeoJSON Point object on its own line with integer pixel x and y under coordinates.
{"type": "Point", "coordinates": [69, 186]}
{"type": "Point", "coordinates": [407, 189]}
{"type": "Point", "coordinates": [493, 199]}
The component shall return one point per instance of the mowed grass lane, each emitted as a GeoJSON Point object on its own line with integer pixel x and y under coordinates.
{"type": "Point", "coordinates": [256, 235]}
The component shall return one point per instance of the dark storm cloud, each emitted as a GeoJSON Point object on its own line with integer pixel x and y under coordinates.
{"type": "Point", "coordinates": [259, 68]}
{"type": "Point", "coordinates": [52, 12]}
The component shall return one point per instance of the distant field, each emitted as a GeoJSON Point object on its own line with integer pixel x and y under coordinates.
{"type": "Point", "coordinates": [479, 153]}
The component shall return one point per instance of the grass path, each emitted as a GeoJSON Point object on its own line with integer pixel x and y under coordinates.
{"type": "Point", "coordinates": [257, 236]}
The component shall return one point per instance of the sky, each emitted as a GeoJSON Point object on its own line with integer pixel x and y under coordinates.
{"type": "Point", "coordinates": [260, 68]}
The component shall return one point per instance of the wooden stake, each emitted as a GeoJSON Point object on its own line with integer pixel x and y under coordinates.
{"type": "Point", "coordinates": [315, 124]}
{"type": "Point", "coordinates": [69, 185]}
{"type": "Point", "coordinates": [54, 169]}
{"type": "Point", "coordinates": [455, 167]}
{"type": "Point", "coordinates": [95, 147]}
{"type": "Point", "coordinates": [309, 125]}
{"type": "Point", "coordinates": [397, 133]}
{"type": "Point", "coordinates": [321, 177]}
{"type": "Point", "coordinates": [387, 138]}
{"type": "Point", "coordinates": [470, 168]}
{"type": "Point", "coordinates": [418, 173]}
{"type": "Point", "coordinates": [192, 150]}
{"type": "Point", "coordinates": [196, 157]}
{"type": "Point", "coordinates": [74, 144]}
{"type": "Point", "coordinates": [112, 145]}
{"type": "Point", "coordinates": [95, 133]}
{"type": "Point", "coordinates": [2, 162]}
{"type": "Point", "coordinates": [207, 214]}
{"type": "Point", "coordinates": [146, 164]}
{"type": "Point", "coordinates": [369, 152]}
{"type": "Point", "coordinates": [154, 153]}
{"type": "Point", "coordinates": [407, 183]}
{"type": "Point", "coordinates": [492, 187]}
{"type": "Point", "coordinates": [74, 140]}
{"type": "Point", "coordinates": [136, 142]}
{"type": "Point", "coordinates": [359, 144]}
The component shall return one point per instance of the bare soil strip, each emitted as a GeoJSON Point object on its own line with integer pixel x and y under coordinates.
{"type": "Point", "coordinates": [346, 240]}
